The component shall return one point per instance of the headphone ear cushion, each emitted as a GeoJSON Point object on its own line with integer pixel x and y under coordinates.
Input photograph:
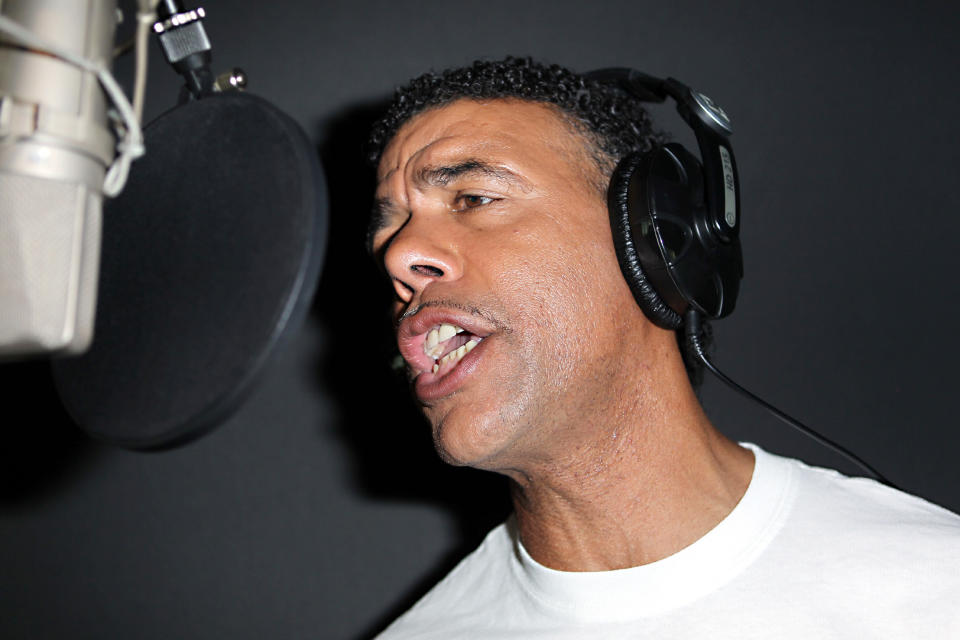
{"type": "Point", "coordinates": [618, 206]}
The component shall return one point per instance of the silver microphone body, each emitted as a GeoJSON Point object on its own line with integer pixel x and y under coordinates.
{"type": "Point", "coordinates": [55, 145]}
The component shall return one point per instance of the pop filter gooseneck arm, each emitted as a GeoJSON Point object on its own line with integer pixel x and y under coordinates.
{"type": "Point", "coordinates": [693, 332]}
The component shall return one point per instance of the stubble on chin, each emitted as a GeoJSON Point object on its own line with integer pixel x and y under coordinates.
{"type": "Point", "coordinates": [490, 438]}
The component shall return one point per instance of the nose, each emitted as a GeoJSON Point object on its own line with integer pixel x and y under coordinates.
{"type": "Point", "coordinates": [419, 254]}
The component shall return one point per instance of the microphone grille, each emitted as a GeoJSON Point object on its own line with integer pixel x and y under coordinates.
{"type": "Point", "coordinates": [49, 255]}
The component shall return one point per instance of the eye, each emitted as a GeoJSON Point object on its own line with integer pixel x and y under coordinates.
{"type": "Point", "coordinates": [466, 201]}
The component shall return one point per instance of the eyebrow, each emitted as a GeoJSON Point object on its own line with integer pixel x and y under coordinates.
{"type": "Point", "coordinates": [442, 175]}
{"type": "Point", "coordinates": [379, 215]}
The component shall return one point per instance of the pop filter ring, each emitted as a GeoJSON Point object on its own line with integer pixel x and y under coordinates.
{"type": "Point", "coordinates": [211, 256]}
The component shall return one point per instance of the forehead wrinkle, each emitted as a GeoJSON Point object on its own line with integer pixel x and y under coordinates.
{"type": "Point", "coordinates": [405, 157]}
{"type": "Point", "coordinates": [387, 175]}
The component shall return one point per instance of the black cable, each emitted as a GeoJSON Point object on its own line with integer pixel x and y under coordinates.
{"type": "Point", "coordinates": [692, 332]}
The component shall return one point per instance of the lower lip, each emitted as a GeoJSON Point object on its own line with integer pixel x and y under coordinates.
{"type": "Point", "coordinates": [429, 387]}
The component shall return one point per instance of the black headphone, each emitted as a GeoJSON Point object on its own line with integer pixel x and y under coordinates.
{"type": "Point", "coordinates": [676, 226]}
{"type": "Point", "coordinates": [675, 221]}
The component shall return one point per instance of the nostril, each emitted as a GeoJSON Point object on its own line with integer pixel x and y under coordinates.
{"type": "Point", "coordinates": [427, 270]}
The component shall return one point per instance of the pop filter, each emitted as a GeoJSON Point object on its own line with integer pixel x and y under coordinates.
{"type": "Point", "coordinates": [210, 257]}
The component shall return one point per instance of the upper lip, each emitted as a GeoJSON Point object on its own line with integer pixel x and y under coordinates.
{"type": "Point", "coordinates": [412, 330]}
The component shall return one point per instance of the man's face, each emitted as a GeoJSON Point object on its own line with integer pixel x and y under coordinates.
{"type": "Point", "coordinates": [491, 230]}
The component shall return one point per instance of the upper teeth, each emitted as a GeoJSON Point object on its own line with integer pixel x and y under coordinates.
{"type": "Point", "coordinates": [444, 332]}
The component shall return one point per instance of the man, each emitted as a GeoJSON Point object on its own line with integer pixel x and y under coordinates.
{"type": "Point", "coordinates": [634, 516]}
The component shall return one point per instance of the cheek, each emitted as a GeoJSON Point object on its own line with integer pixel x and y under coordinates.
{"type": "Point", "coordinates": [577, 261]}
{"type": "Point", "coordinates": [565, 290]}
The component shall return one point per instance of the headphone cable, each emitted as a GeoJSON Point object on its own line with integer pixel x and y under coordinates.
{"type": "Point", "coordinates": [693, 332]}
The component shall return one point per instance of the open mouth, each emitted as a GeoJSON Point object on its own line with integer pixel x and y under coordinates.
{"type": "Point", "coordinates": [440, 344]}
{"type": "Point", "coordinates": [447, 344]}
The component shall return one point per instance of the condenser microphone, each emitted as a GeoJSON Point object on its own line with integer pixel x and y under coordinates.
{"type": "Point", "coordinates": [55, 148]}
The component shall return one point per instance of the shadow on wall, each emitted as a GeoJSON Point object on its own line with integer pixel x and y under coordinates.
{"type": "Point", "coordinates": [393, 453]}
{"type": "Point", "coordinates": [42, 450]}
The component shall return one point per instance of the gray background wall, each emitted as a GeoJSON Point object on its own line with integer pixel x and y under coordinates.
{"type": "Point", "coordinates": [318, 510]}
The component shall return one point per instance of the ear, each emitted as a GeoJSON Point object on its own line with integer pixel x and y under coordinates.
{"type": "Point", "coordinates": [624, 210]}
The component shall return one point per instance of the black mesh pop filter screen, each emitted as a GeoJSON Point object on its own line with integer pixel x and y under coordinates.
{"type": "Point", "coordinates": [210, 256]}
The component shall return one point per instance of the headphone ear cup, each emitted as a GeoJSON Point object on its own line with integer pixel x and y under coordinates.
{"type": "Point", "coordinates": [618, 206]}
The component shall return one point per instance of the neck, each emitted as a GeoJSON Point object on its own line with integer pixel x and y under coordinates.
{"type": "Point", "coordinates": [648, 478]}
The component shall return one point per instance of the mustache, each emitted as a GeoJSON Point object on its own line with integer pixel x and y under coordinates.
{"type": "Point", "coordinates": [452, 304]}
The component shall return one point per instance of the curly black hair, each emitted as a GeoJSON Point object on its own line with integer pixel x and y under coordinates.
{"type": "Point", "coordinates": [612, 122]}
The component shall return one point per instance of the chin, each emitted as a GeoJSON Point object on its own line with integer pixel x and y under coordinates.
{"type": "Point", "coordinates": [466, 438]}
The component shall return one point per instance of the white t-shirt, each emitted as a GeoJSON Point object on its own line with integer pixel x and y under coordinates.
{"type": "Point", "coordinates": [806, 553]}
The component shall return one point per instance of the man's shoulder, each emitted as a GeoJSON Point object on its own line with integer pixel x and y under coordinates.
{"type": "Point", "coordinates": [857, 521]}
{"type": "Point", "coordinates": [469, 592]}
{"type": "Point", "coordinates": [853, 549]}
{"type": "Point", "coordinates": [826, 495]}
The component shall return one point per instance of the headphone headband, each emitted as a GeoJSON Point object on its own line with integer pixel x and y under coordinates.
{"type": "Point", "coordinates": [710, 124]}
{"type": "Point", "coordinates": [647, 88]}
